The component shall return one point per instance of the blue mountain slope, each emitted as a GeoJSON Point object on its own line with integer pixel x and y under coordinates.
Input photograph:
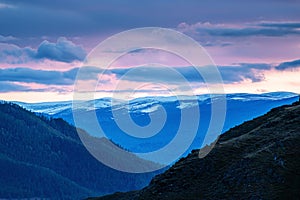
{"type": "Point", "coordinates": [240, 107]}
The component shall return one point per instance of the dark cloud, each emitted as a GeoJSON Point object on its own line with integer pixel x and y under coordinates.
{"type": "Point", "coordinates": [259, 66]}
{"type": "Point", "coordinates": [12, 79]}
{"type": "Point", "coordinates": [176, 75]}
{"type": "Point", "coordinates": [63, 50]}
{"type": "Point", "coordinates": [288, 65]}
{"type": "Point", "coordinates": [258, 31]}
{"type": "Point", "coordinates": [236, 74]}
{"type": "Point", "coordinates": [215, 43]}
{"type": "Point", "coordinates": [13, 54]}
{"type": "Point", "coordinates": [158, 74]}
{"type": "Point", "coordinates": [270, 29]}
{"type": "Point", "coordinates": [28, 75]}
{"type": "Point", "coordinates": [288, 25]}
{"type": "Point", "coordinates": [6, 86]}
{"type": "Point", "coordinates": [77, 17]}
{"type": "Point", "coordinates": [23, 19]}
{"type": "Point", "coordinates": [86, 73]}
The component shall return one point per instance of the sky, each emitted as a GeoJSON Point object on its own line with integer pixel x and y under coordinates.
{"type": "Point", "coordinates": [43, 45]}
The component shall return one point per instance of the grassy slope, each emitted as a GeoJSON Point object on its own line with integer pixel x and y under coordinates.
{"type": "Point", "coordinates": [256, 160]}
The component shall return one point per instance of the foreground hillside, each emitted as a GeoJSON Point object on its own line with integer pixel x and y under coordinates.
{"type": "Point", "coordinates": [256, 160]}
{"type": "Point", "coordinates": [44, 158]}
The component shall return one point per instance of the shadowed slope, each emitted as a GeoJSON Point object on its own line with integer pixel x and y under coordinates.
{"type": "Point", "coordinates": [256, 160]}
{"type": "Point", "coordinates": [45, 158]}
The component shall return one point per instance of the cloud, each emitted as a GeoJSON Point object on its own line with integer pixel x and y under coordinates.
{"type": "Point", "coordinates": [287, 25]}
{"type": "Point", "coordinates": [6, 86]}
{"type": "Point", "coordinates": [157, 74]}
{"type": "Point", "coordinates": [177, 75]}
{"type": "Point", "coordinates": [6, 38]}
{"type": "Point", "coordinates": [81, 18]}
{"type": "Point", "coordinates": [28, 75]}
{"type": "Point", "coordinates": [20, 79]}
{"type": "Point", "coordinates": [12, 54]}
{"type": "Point", "coordinates": [11, 79]}
{"type": "Point", "coordinates": [244, 71]}
{"type": "Point", "coordinates": [63, 50]}
{"type": "Point", "coordinates": [288, 65]}
{"type": "Point", "coordinates": [269, 29]}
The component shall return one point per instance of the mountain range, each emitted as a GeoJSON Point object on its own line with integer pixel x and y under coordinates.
{"type": "Point", "coordinates": [240, 107]}
{"type": "Point", "coordinates": [42, 155]}
{"type": "Point", "coordinates": [258, 159]}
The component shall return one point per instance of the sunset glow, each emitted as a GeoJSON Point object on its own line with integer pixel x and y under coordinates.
{"type": "Point", "coordinates": [255, 52]}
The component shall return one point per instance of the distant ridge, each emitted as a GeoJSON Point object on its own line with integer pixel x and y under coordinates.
{"type": "Point", "coordinates": [240, 107]}
{"type": "Point", "coordinates": [53, 108]}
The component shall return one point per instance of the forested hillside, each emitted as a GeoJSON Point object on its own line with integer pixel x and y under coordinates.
{"type": "Point", "coordinates": [43, 157]}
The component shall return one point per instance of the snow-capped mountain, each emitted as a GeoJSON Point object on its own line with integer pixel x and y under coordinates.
{"type": "Point", "coordinates": [240, 107]}
{"type": "Point", "coordinates": [49, 108]}
{"type": "Point", "coordinates": [148, 104]}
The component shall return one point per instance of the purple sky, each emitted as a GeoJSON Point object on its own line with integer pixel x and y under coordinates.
{"type": "Point", "coordinates": [255, 44]}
